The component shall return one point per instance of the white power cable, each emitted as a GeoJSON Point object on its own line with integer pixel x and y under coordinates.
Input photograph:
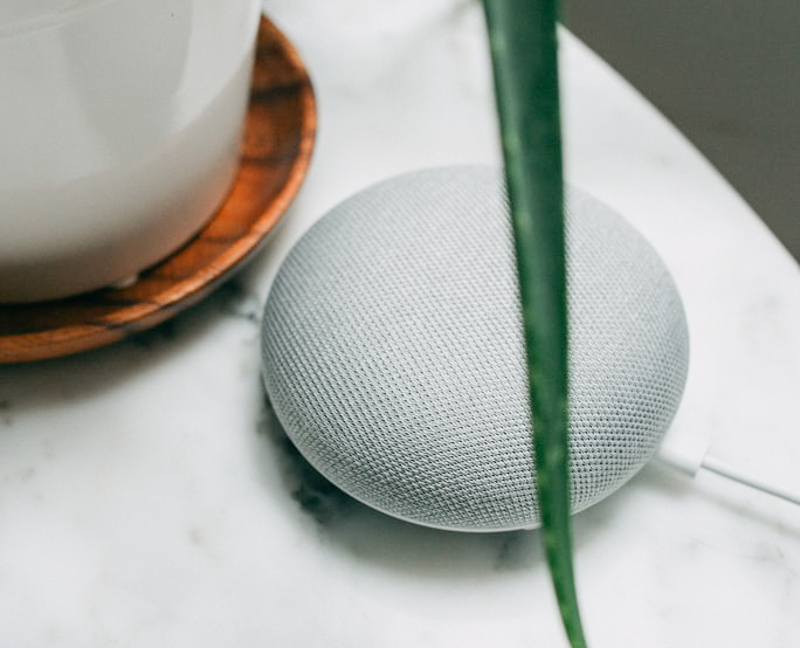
{"type": "Point", "coordinates": [725, 470]}
{"type": "Point", "coordinates": [689, 455]}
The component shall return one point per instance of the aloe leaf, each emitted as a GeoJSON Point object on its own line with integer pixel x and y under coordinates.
{"type": "Point", "coordinates": [522, 36]}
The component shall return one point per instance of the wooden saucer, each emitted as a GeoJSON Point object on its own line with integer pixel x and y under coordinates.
{"type": "Point", "coordinates": [279, 138]}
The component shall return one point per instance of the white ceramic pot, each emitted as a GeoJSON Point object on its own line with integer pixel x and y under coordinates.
{"type": "Point", "coordinates": [120, 124]}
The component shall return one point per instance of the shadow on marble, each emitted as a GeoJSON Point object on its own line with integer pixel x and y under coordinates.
{"type": "Point", "coordinates": [348, 526]}
{"type": "Point", "coordinates": [28, 386]}
{"type": "Point", "coordinates": [364, 534]}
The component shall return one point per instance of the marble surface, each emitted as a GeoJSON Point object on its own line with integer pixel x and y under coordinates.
{"type": "Point", "coordinates": [148, 498]}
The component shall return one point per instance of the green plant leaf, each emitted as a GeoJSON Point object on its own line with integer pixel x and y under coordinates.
{"type": "Point", "coordinates": [522, 35]}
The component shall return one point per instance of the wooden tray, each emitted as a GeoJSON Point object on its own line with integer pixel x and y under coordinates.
{"type": "Point", "coordinates": [279, 138]}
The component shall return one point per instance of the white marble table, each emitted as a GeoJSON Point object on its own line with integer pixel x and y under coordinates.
{"type": "Point", "coordinates": [147, 498]}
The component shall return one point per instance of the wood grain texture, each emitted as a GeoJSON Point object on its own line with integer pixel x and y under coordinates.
{"type": "Point", "coordinates": [278, 140]}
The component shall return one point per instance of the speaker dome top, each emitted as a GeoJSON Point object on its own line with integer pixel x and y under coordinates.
{"type": "Point", "coordinates": [393, 352]}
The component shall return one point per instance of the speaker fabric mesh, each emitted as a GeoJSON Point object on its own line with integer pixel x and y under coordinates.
{"type": "Point", "coordinates": [393, 351]}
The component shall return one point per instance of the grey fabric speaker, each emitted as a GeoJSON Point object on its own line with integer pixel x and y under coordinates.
{"type": "Point", "coordinates": [393, 352]}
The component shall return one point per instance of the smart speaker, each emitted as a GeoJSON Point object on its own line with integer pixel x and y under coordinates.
{"type": "Point", "coordinates": [394, 359]}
